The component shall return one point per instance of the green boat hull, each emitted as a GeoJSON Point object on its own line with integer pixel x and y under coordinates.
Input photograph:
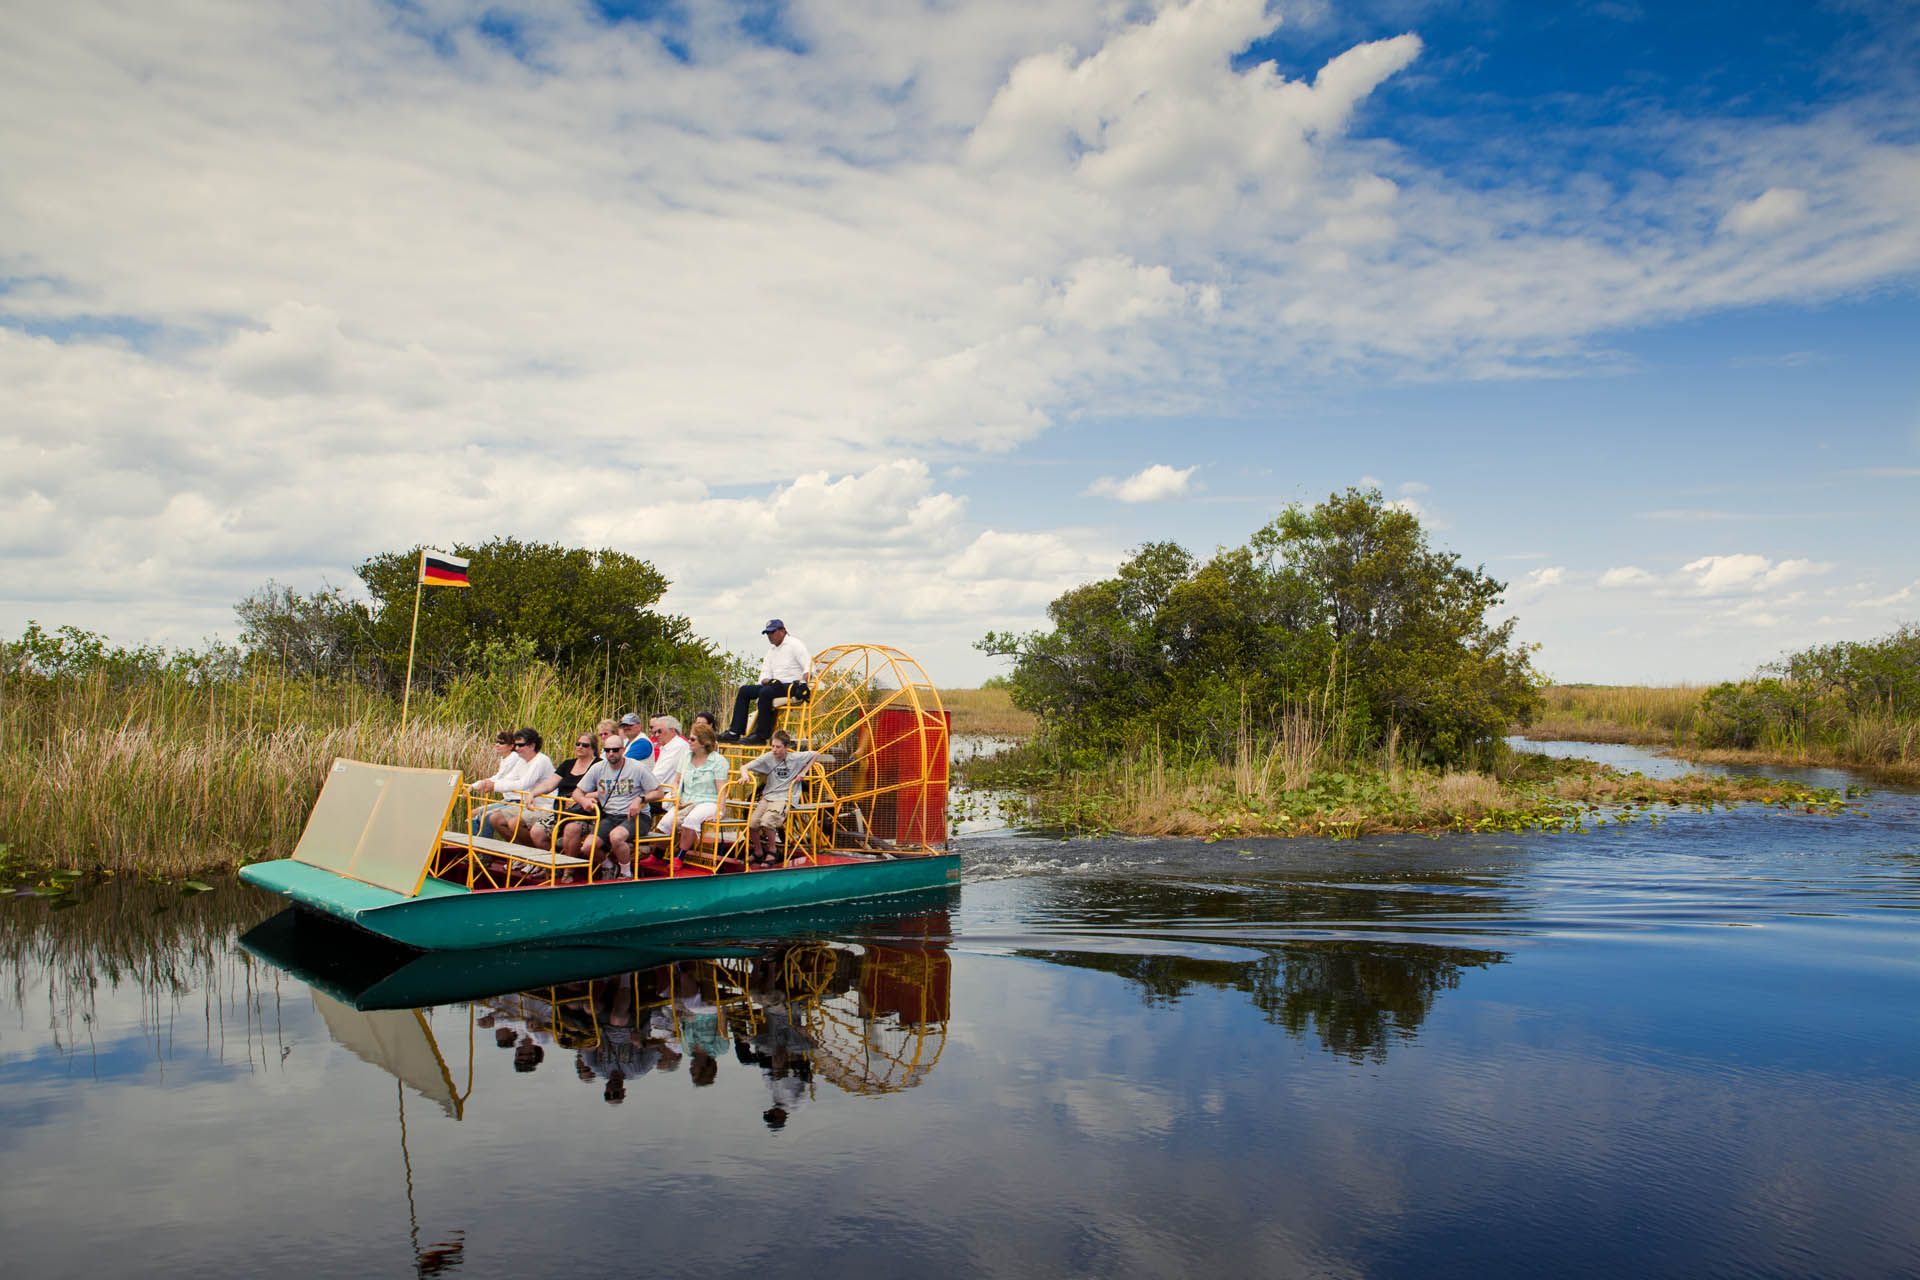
{"type": "Point", "coordinates": [445, 917]}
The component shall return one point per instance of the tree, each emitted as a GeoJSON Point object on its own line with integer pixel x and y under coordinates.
{"type": "Point", "coordinates": [1411, 622]}
{"type": "Point", "coordinates": [1348, 588]}
{"type": "Point", "coordinates": [324, 634]}
{"type": "Point", "coordinates": [583, 611]}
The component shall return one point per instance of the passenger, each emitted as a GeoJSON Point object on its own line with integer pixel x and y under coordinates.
{"type": "Point", "coordinates": [622, 788]}
{"type": "Point", "coordinates": [782, 767]}
{"type": "Point", "coordinates": [783, 673]}
{"type": "Point", "coordinates": [560, 788]}
{"type": "Point", "coordinates": [670, 749]}
{"type": "Point", "coordinates": [568, 775]}
{"type": "Point", "coordinates": [705, 1069]}
{"type": "Point", "coordinates": [512, 820]}
{"type": "Point", "coordinates": [706, 718]}
{"type": "Point", "coordinates": [639, 746]}
{"type": "Point", "coordinates": [700, 782]}
{"type": "Point", "coordinates": [503, 760]}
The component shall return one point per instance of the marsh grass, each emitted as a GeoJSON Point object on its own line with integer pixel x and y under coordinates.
{"type": "Point", "coordinates": [1640, 714]}
{"type": "Point", "coordinates": [1292, 782]}
{"type": "Point", "coordinates": [171, 777]}
{"type": "Point", "coordinates": [1880, 743]}
{"type": "Point", "coordinates": [987, 713]}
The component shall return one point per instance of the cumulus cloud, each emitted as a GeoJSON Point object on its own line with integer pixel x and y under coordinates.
{"type": "Point", "coordinates": [1537, 580]}
{"type": "Point", "coordinates": [1156, 483]}
{"type": "Point", "coordinates": [1716, 575]}
{"type": "Point", "coordinates": [1627, 576]}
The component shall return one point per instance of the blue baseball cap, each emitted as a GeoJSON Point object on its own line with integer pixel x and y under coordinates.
{"type": "Point", "coordinates": [773, 625]}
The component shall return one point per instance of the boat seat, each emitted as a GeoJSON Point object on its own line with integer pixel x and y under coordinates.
{"type": "Point", "coordinates": [520, 857]}
{"type": "Point", "coordinates": [780, 705]}
{"type": "Point", "coordinates": [723, 837]}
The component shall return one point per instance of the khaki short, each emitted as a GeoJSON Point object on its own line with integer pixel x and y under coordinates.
{"type": "Point", "coordinates": [768, 813]}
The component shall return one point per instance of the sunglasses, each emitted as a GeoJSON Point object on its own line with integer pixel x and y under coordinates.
{"type": "Point", "coordinates": [587, 745]}
{"type": "Point", "coordinates": [518, 745]}
{"type": "Point", "coordinates": [611, 751]}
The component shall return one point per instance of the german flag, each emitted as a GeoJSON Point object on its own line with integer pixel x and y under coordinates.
{"type": "Point", "coordinates": [438, 569]}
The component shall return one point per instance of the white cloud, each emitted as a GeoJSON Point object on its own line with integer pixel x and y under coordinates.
{"type": "Point", "coordinates": [1909, 592]}
{"type": "Point", "coordinates": [1156, 483]}
{"type": "Point", "coordinates": [1791, 570]}
{"type": "Point", "coordinates": [1773, 209]}
{"type": "Point", "coordinates": [1413, 488]}
{"type": "Point", "coordinates": [1726, 573]}
{"type": "Point", "coordinates": [1540, 579]}
{"type": "Point", "coordinates": [1627, 576]}
{"type": "Point", "coordinates": [1719, 575]}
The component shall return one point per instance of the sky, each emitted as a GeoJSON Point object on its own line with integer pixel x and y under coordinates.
{"type": "Point", "coordinates": [897, 318]}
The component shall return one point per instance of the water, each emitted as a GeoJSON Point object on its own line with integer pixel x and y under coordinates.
{"type": "Point", "coordinates": [1676, 1050]}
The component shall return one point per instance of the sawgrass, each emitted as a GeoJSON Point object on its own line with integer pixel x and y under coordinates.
{"type": "Point", "coordinates": [1882, 744]}
{"type": "Point", "coordinates": [1293, 782]}
{"type": "Point", "coordinates": [1643, 714]}
{"type": "Point", "coordinates": [168, 776]}
{"type": "Point", "coordinates": [988, 713]}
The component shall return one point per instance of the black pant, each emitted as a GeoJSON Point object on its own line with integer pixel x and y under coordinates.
{"type": "Point", "coordinates": [764, 694]}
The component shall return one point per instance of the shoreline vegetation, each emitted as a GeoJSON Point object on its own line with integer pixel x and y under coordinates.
{"type": "Point", "coordinates": [1762, 721]}
{"type": "Point", "coordinates": [1335, 676]}
{"type": "Point", "coordinates": [169, 776]}
{"type": "Point", "coordinates": [157, 763]}
{"type": "Point", "coordinates": [1290, 785]}
{"type": "Point", "coordinates": [1340, 675]}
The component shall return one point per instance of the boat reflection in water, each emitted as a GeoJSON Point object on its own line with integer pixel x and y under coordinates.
{"type": "Point", "coordinates": [853, 1000]}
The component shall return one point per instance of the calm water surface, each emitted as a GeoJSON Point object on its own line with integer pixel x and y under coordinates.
{"type": "Point", "coordinates": [1683, 1049]}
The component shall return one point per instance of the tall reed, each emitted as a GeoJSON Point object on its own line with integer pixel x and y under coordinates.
{"type": "Point", "coordinates": [1617, 713]}
{"type": "Point", "coordinates": [170, 775]}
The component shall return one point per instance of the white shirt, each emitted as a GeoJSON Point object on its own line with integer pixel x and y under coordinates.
{"type": "Point", "coordinates": [786, 662]}
{"type": "Point", "coordinates": [670, 759]}
{"type": "Point", "coordinates": [517, 776]}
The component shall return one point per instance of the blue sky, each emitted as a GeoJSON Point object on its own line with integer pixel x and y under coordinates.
{"type": "Point", "coordinates": [896, 320]}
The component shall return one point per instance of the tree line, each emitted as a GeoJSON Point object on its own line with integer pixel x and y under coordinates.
{"type": "Point", "coordinates": [590, 615]}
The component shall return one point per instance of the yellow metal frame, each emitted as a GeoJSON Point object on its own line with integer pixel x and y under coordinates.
{"type": "Point", "coordinates": [833, 806]}
{"type": "Point", "coordinates": [851, 685]}
{"type": "Point", "coordinates": [463, 847]}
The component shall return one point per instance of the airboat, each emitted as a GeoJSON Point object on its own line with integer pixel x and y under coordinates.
{"type": "Point", "coordinates": [389, 850]}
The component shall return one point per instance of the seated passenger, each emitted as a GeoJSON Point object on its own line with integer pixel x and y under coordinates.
{"type": "Point", "coordinates": [515, 783]}
{"type": "Point", "coordinates": [783, 673]}
{"type": "Point", "coordinates": [700, 781]}
{"type": "Point", "coordinates": [559, 790]}
{"type": "Point", "coordinates": [670, 749]}
{"type": "Point", "coordinates": [503, 761]}
{"type": "Point", "coordinates": [622, 789]}
{"type": "Point", "coordinates": [782, 767]}
{"type": "Point", "coordinates": [639, 746]}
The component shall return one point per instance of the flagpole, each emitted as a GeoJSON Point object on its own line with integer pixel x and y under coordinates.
{"type": "Point", "coordinates": [419, 580]}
